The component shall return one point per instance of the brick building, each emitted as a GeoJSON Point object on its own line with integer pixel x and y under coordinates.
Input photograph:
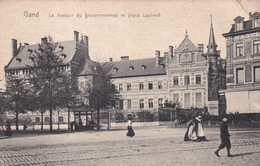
{"type": "Point", "coordinates": [243, 65]}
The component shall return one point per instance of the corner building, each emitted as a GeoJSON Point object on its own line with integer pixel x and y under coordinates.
{"type": "Point", "coordinates": [243, 65]}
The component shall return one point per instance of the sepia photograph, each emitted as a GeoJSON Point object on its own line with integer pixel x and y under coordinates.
{"type": "Point", "coordinates": [130, 82]}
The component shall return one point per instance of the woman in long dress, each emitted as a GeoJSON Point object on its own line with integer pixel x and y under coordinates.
{"type": "Point", "coordinates": [199, 129]}
{"type": "Point", "coordinates": [190, 133]}
{"type": "Point", "coordinates": [130, 132]}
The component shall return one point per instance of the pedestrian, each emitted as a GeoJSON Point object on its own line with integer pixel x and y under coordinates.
{"type": "Point", "coordinates": [190, 133]}
{"type": "Point", "coordinates": [199, 129]}
{"type": "Point", "coordinates": [224, 135]}
{"type": "Point", "coordinates": [130, 132]}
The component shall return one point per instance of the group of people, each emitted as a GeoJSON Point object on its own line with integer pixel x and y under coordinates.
{"type": "Point", "coordinates": [195, 131]}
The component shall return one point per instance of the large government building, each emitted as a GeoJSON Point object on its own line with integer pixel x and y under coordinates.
{"type": "Point", "coordinates": [243, 65]}
{"type": "Point", "coordinates": [185, 74]}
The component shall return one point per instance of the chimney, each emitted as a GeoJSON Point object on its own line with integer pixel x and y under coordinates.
{"type": "Point", "coordinates": [250, 16]}
{"type": "Point", "coordinates": [124, 58]}
{"type": "Point", "coordinates": [157, 57]}
{"type": "Point", "coordinates": [14, 47]}
{"type": "Point", "coordinates": [170, 52]}
{"type": "Point", "coordinates": [85, 39]}
{"type": "Point", "coordinates": [166, 56]}
{"type": "Point", "coordinates": [44, 40]}
{"type": "Point", "coordinates": [201, 48]}
{"type": "Point", "coordinates": [110, 59]}
{"type": "Point", "coordinates": [76, 36]}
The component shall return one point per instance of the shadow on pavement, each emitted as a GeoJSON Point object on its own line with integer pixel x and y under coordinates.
{"type": "Point", "coordinates": [244, 154]}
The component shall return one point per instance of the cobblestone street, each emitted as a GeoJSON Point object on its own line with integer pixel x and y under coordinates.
{"type": "Point", "coordinates": [150, 146]}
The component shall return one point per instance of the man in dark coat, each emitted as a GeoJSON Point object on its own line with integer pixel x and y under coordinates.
{"type": "Point", "coordinates": [224, 135]}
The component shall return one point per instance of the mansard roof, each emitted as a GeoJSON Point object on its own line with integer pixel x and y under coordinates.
{"type": "Point", "coordinates": [248, 26]}
{"type": "Point", "coordinates": [119, 69]}
{"type": "Point", "coordinates": [186, 45]}
{"type": "Point", "coordinates": [23, 54]}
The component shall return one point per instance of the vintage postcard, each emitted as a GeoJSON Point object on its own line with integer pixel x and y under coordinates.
{"type": "Point", "coordinates": [121, 82]}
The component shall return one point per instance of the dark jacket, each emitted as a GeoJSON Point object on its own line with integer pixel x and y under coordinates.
{"type": "Point", "coordinates": [224, 130]}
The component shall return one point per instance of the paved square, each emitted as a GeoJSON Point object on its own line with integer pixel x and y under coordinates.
{"type": "Point", "coordinates": [150, 146]}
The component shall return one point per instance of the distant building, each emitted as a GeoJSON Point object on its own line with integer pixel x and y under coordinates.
{"type": "Point", "coordinates": [185, 75]}
{"type": "Point", "coordinates": [76, 60]}
{"type": "Point", "coordinates": [243, 65]}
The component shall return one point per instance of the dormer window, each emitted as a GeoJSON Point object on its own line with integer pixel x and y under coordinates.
{"type": "Point", "coordinates": [64, 55]}
{"type": "Point", "coordinates": [239, 26]}
{"type": "Point", "coordinates": [257, 22]}
{"type": "Point", "coordinates": [143, 67]}
{"type": "Point", "coordinates": [131, 67]}
{"type": "Point", "coordinates": [31, 58]}
{"type": "Point", "coordinates": [239, 23]}
{"type": "Point", "coordinates": [30, 51]}
{"type": "Point", "coordinates": [18, 59]}
{"type": "Point", "coordinates": [115, 69]}
{"type": "Point", "coordinates": [61, 48]}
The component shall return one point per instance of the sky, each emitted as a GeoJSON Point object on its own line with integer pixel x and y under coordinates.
{"type": "Point", "coordinates": [136, 37]}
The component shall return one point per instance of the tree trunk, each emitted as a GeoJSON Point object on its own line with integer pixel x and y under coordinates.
{"type": "Point", "coordinates": [16, 120]}
{"type": "Point", "coordinates": [50, 119]}
{"type": "Point", "coordinates": [41, 120]}
{"type": "Point", "coordinates": [69, 119]}
{"type": "Point", "coordinates": [98, 119]}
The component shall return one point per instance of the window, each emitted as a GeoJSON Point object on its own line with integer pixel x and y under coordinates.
{"type": "Point", "coordinates": [257, 22]}
{"type": "Point", "coordinates": [175, 80]}
{"type": "Point", "coordinates": [121, 104]}
{"type": "Point", "coordinates": [141, 103]}
{"type": "Point", "coordinates": [179, 58]}
{"type": "Point", "coordinates": [198, 79]}
{"type": "Point", "coordinates": [128, 86]}
{"type": "Point", "coordinates": [256, 47]}
{"type": "Point", "coordinates": [239, 26]}
{"type": "Point", "coordinates": [37, 119]}
{"type": "Point", "coordinates": [257, 73]}
{"type": "Point", "coordinates": [129, 104]}
{"type": "Point", "coordinates": [176, 97]}
{"type": "Point", "coordinates": [150, 85]}
{"type": "Point", "coordinates": [120, 87]}
{"type": "Point", "coordinates": [150, 103]}
{"type": "Point", "coordinates": [186, 80]}
{"type": "Point", "coordinates": [160, 85]}
{"type": "Point", "coordinates": [60, 119]}
{"type": "Point", "coordinates": [141, 85]}
{"type": "Point", "coordinates": [47, 119]}
{"type": "Point", "coordinates": [198, 99]}
{"type": "Point", "coordinates": [186, 100]}
{"type": "Point", "coordinates": [113, 87]}
{"type": "Point", "coordinates": [160, 102]}
{"type": "Point", "coordinates": [239, 50]}
{"type": "Point", "coordinates": [240, 75]}
{"type": "Point", "coordinates": [113, 103]}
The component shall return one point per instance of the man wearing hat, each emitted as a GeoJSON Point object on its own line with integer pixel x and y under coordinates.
{"type": "Point", "coordinates": [224, 135]}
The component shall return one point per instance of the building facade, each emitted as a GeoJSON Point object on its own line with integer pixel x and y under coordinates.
{"type": "Point", "coordinates": [76, 61]}
{"type": "Point", "coordinates": [243, 65]}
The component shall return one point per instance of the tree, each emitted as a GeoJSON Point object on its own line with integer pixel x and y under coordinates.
{"type": "Point", "coordinates": [18, 96]}
{"type": "Point", "coordinates": [51, 80]}
{"type": "Point", "coordinates": [99, 91]}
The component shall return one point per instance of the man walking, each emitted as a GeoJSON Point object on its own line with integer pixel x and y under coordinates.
{"type": "Point", "coordinates": [224, 135]}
